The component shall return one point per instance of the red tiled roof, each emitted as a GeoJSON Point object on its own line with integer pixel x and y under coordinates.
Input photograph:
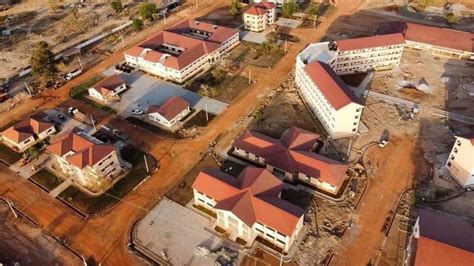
{"type": "Point", "coordinates": [443, 37]}
{"type": "Point", "coordinates": [255, 11]}
{"type": "Point", "coordinates": [85, 152]}
{"type": "Point", "coordinates": [28, 127]}
{"type": "Point", "coordinates": [170, 108]}
{"type": "Point", "coordinates": [252, 196]}
{"type": "Point", "coordinates": [370, 42]}
{"type": "Point", "coordinates": [330, 84]}
{"type": "Point", "coordinates": [108, 84]}
{"type": "Point", "coordinates": [267, 5]}
{"type": "Point", "coordinates": [292, 153]}
{"type": "Point", "coordinates": [434, 253]}
{"type": "Point", "coordinates": [194, 48]}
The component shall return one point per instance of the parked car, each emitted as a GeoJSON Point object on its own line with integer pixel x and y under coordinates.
{"type": "Point", "coordinates": [383, 143]}
{"type": "Point", "coordinates": [137, 112]}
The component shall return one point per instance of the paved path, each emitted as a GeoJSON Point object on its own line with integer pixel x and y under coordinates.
{"type": "Point", "coordinates": [63, 186]}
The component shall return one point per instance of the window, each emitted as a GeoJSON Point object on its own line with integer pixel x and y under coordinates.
{"type": "Point", "coordinates": [449, 164]}
{"type": "Point", "coordinates": [259, 230]}
{"type": "Point", "coordinates": [455, 150]}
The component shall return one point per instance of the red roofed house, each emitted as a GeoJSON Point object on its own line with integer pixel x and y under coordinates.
{"type": "Point", "coordinates": [27, 132]}
{"type": "Point", "coordinates": [170, 112]}
{"type": "Point", "coordinates": [258, 17]}
{"type": "Point", "coordinates": [85, 159]}
{"type": "Point", "coordinates": [440, 239]}
{"type": "Point", "coordinates": [329, 98]}
{"type": "Point", "coordinates": [380, 52]}
{"type": "Point", "coordinates": [460, 163]}
{"type": "Point", "coordinates": [182, 51]}
{"type": "Point", "coordinates": [249, 206]}
{"type": "Point", "coordinates": [108, 89]}
{"type": "Point", "coordinates": [291, 157]}
{"type": "Point", "coordinates": [439, 41]}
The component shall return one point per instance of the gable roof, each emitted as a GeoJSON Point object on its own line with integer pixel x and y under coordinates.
{"type": "Point", "coordinates": [84, 151]}
{"type": "Point", "coordinates": [170, 108]}
{"type": "Point", "coordinates": [252, 196]}
{"type": "Point", "coordinates": [259, 9]}
{"type": "Point", "coordinates": [292, 153]}
{"type": "Point", "coordinates": [439, 246]}
{"type": "Point", "coordinates": [443, 37]}
{"type": "Point", "coordinates": [370, 42]}
{"type": "Point", "coordinates": [108, 84]}
{"type": "Point", "coordinates": [330, 84]}
{"type": "Point", "coordinates": [27, 128]}
{"type": "Point", "coordinates": [178, 35]}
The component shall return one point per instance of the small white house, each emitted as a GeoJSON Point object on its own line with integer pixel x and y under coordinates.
{"type": "Point", "coordinates": [108, 89]}
{"type": "Point", "coordinates": [170, 112]}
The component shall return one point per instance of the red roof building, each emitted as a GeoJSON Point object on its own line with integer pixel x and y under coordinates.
{"type": "Point", "coordinates": [252, 201]}
{"type": "Point", "coordinates": [108, 88]}
{"type": "Point", "coordinates": [370, 42]}
{"type": "Point", "coordinates": [183, 49]}
{"type": "Point", "coordinates": [170, 112]}
{"type": "Point", "coordinates": [436, 245]}
{"type": "Point", "coordinates": [291, 156]}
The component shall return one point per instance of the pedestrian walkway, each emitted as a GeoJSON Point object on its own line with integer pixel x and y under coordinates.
{"type": "Point", "coordinates": [59, 189]}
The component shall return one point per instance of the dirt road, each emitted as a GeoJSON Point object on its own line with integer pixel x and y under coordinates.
{"type": "Point", "coordinates": [395, 170]}
{"type": "Point", "coordinates": [104, 238]}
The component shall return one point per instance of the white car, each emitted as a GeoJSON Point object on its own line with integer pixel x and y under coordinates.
{"type": "Point", "coordinates": [137, 112]}
{"type": "Point", "coordinates": [383, 143]}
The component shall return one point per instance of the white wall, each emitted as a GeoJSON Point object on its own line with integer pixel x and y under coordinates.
{"type": "Point", "coordinates": [461, 161]}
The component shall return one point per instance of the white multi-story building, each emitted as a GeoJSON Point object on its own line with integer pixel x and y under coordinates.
{"type": "Point", "coordinates": [461, 160]}
{"type": "Point", "coordinates": [328, 97]}
{"type": "Point", "coordinates": [85, 159]}
{"type": "Point", "coordinates": [333, 103]}
{"type": "Point", "coordinates": [259, 17]}
{"type": "Point", "coordinates": [279, 3]}
{"type": "Point", "coordinates": [182, 51]}
{"type": "Point", "coordinates": [442, 42]}
{"type": "Point", "coordinates": [28, 132]}
{"type": "Point", "coordinates": [249, 206]}
{"type": "Point", "coordinates": [380, 52]}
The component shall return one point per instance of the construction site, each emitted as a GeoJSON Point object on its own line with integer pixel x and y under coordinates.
{"type": "Point", "coordinates": [369, 223]}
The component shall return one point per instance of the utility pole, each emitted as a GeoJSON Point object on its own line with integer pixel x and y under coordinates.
{"type": "Point", "coordinates": [207, 115]}
{"type": "Point", "coordinates": [80, 63]}
{"type": "Point", "coordinates": [315, 204]}
{"type": "Point", "coordinates": [314, 21]}
{"type": "Point", "coordinates": [146, 164]}
{"type": "Point", "coordinates": [123, 41]}
{"type": "Point", "coordinates": [93, 122]}
{"type": "Point", "coordinates": [27, 88]}
{"type": "Point", "coordinates": [250, 75]}
{"type": "Point", "coordinates": [10, 204]}
{"type": "Point", "coordinates": [286, 43]}
{"type": "Point", "coordinates": [196, 4]}
{"type": "Point", "coordinates": [164, 17]}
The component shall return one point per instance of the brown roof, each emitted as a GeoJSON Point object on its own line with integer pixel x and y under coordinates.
{"type": "Point", "coordinates": [170, 108]}
{"type": "Point", "coordinates": [292, 153]}
{"type": "Point", "coordinates": [433, 225]}
{"type": "Point", "coordinates": [252, 196]}
{"type": "Point", "coordinates": [194, 48]}
{"type": "Point", "coordinates": [370, 42]}
{"type": "Point", "coordinates": [108, 84]}
{"type": "Point", "coordinates": [28, 127]}
{"type": "Point", "coordinates": [267, 5]}
{"type": "Point", "coordinates": [449, 38]}
{"type": "Point", "coordinates": [85, 152]}
{"type": "Point", "coordinates": [330, 84]}
{"type": "Point", "coordinates": [434, 253]}
{"type": "Point", "coordinates": [255, 11]}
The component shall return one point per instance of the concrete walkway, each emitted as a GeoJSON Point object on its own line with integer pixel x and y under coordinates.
{"type": "Point", "coordinates": [59, 189]}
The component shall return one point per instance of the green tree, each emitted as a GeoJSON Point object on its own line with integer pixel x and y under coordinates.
{"type": "Point", "coordinates": [235, 8]}
{"type": "Point", "coordinates": [452, 19]}
{"type": "Point", "coordinates": [148, 11]}
{"type": "Point", "coordinates": [137, 24]}
{"type": "Point", "coordinates": [314, 11]}
{"type": "Point", "coordinates": [42, 62]}
{"type": "Point", "coordinates": [116, 6]}
{"type": "Point", "coordinates": [288, 8]}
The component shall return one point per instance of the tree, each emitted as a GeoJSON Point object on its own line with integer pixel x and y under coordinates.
{"type": "Point", "coordinates": [452, 19]}
{"type": "Point", "coordinates": [148, 10]}
{"type": "Point", "coordinates": [288, 8]}
{"type": "Point", "coordinates": [235, 8]}
{"type": "Point", "coordinates": [42, 62]}
{"type": "Point", "coordinates": [116, 6]}
{"type": "Point", "coordinates": [137, 24]}
{"type": "Point", "coordinates": [314, 11]}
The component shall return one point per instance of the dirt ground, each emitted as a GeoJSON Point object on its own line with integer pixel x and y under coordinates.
{"type": "Point", "coordinates": [34, 22]}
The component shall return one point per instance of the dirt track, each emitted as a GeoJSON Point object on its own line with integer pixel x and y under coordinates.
{"type": "Point", "coordinates": [395, 170]}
